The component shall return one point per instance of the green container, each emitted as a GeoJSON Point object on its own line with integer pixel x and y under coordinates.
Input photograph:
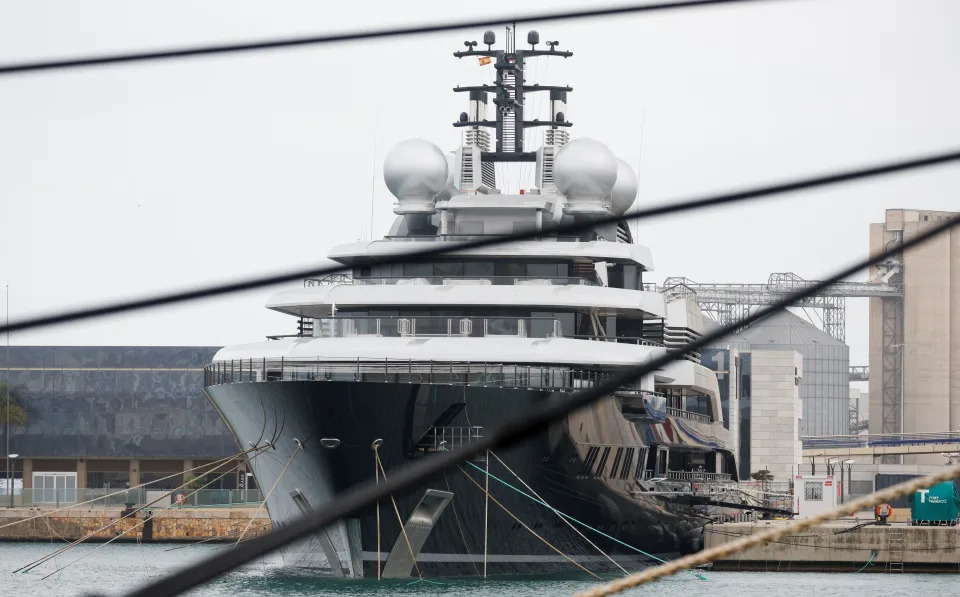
{"type": "Point", "coordinates": [937, 505]}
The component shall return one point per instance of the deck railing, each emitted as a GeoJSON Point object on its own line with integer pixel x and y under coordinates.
{"type": "Point", "coordinates": [697, 476]}
{"type": "Point", "coordinates": [686, 414]}
{"type": "Point", "coordinates": [435, 326]}
{"type": "Point", "coordinates": [619, 340]}
{"type": "Point", "coordinates": [439, 439]}
{"type": "Point", "coordinates": [492, 375]}
{"type": "Point", "coordinates": [471, 281]}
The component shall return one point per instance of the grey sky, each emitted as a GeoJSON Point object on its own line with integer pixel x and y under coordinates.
{"type": "Point", "coordinates": [125, 180]}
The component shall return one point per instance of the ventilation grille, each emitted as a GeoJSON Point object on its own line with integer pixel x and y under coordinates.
{"type": "Point", "coordinates": [488, 175]}
{"type": "Point", "coordinates": [557, 137]}
{"type": "Point", "coordinates": [478, 138]}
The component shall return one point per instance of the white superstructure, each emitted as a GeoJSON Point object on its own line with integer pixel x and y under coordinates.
{"type": "Point", "coordinates": [561, 301]}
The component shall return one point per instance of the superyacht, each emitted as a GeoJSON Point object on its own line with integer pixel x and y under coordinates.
{"type": "Point", "coordinates": [394, 363]}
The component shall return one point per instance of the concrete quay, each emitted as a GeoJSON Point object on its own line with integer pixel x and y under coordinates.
{"type": "Point", "coordinates": [170, 525]}
{"type": "Point", "coordinates": [838, 547]}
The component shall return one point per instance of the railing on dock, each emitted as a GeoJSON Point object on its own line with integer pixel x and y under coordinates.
{"type": "Point", "coordinates": [489, 375]}
{"type": "Point", "coordinates": [141, 496]}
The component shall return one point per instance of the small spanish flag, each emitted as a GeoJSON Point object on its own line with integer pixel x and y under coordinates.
{"type": "Point", "coordinates": [484, 60]}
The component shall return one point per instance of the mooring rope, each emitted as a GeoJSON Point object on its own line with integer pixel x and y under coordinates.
{"type": "Point", "coordinates": [53, 532]}
{"type": "Point", "coordinates": [269, 493]}
{"type": "Point", "coordinates": [486, 512]}
{"type": "Point", "coordinates": [583, 524]}
{"type": "Point", "coordinates": [727, 549]}
{"type": "Point", "coordinates": [376, 473]}
{"type": "Point", "coordinates": [400, 520]}
{"type": "Point", "coordinates": [103, 497]}
{"type": "Point", "coordinates": [524, 525]}
{"type": "Point", "coordinates": [36, 563]}
{"type": "Point", "coordinates": [142, 522]}
{"type": "Point", "coordinates": [201, 542]}
{"type": "Point", "coordinates": [555, 511]}
{"type": "Point", "coordinates": [456, 518]}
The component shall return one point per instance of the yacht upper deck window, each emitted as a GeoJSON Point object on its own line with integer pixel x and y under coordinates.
{"type": "Point", "coordinates": [621, 275]}
{"type": "Point", "coordinates": [503, 271]}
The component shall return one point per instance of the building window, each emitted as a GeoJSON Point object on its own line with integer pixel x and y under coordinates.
{"type": "Point", "coordinates": [813, 491]}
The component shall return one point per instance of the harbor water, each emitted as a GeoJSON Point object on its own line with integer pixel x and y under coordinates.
{"type": "Point", "coordinates": [116, 569]}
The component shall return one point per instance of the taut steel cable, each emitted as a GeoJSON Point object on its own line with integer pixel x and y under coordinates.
{"type": "Point", "coordinates": [532, 421]}
{"type": "Point", "coordinates": [411, 256]}
{"type": "Point", "coordinates": [331, 38]}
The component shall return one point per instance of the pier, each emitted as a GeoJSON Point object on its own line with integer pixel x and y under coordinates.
{"type": "Point", "coordinates": [843, 546]}
{"type": "Point", "coordinates": [157, 525]}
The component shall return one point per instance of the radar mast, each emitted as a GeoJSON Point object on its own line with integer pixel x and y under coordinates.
{"type": "Point", "coordinates": [509, 92]}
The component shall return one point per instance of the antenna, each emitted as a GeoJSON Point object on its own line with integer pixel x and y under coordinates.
{"type": "Point", "coordinates": [373, 170]}
{"type": "Point", "coordinates": [509, 92]}
{"type": "Point", "coordinates": [643, 122]}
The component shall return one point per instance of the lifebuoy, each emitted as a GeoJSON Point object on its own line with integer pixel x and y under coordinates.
{"type": "Point", "coordinates": [180, 499]}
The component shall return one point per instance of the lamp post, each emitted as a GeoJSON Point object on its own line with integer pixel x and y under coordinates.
{"type": "Point", "coordinates": [844, 488]}
{"type": "Point", "coordinates": [6, 387]}
{"type": "Point", "coordinates": [829, 463]}
{"type": "Point", "coordinates": [10, 470]}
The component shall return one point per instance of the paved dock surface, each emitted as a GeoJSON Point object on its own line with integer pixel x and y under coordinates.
{"type": "Point", "coordinates": [839, 546]}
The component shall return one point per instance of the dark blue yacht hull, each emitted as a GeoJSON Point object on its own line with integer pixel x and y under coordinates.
{"type": "Point", "coordinates": [350, 416]}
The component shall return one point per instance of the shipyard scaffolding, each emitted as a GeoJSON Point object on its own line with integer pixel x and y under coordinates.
{"type": "Point", "coordinates": [727, 303]}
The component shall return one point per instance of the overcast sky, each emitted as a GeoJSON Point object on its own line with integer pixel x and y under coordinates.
{"type": "Point", "coordinates": [121, 181]}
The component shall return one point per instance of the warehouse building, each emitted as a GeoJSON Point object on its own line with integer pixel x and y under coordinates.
{"type": "Point", "coordinates": [111, 417]}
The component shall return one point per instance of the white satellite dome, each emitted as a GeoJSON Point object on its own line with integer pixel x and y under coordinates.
{"type": "Point", "coordinates": [415, 172]}
{"type": "Point", "coordinates": [624, 191]}
{"type": "Point", "coordinates": [585, 172]}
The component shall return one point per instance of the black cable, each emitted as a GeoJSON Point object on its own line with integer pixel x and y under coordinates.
{"type": "Point", "coordinates": [312, 40]}
{"type": "Point", "coordinates": [534, 420]}
{"type": "Point", "coordinates": [417, 254]}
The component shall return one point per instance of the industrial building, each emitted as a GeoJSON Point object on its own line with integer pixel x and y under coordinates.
{"type": "Point", "coordinates": [824, 388]}
{"type": "Point", "coordinates": [915, 338]}
{"type": "Point", "coordinates": [822, 393]}
{"type": "Point", "coordinates": [761, 405]}
{"type": "Point", "coordinates": [111, 417]}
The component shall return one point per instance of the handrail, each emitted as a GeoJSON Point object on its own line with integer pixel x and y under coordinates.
{"type": "Point", "coordinates": [436, 326]}
{"type": "Point", "coordinates": [618, 339]}
{"type": "Point", "coordinates": [433, 280]}
{"type": "Point", "coordinates": [497, 375]}
{"type": "Point", "coordinates": [697, 476]}
{"type": "Point", "coordinates": [686, 414]}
